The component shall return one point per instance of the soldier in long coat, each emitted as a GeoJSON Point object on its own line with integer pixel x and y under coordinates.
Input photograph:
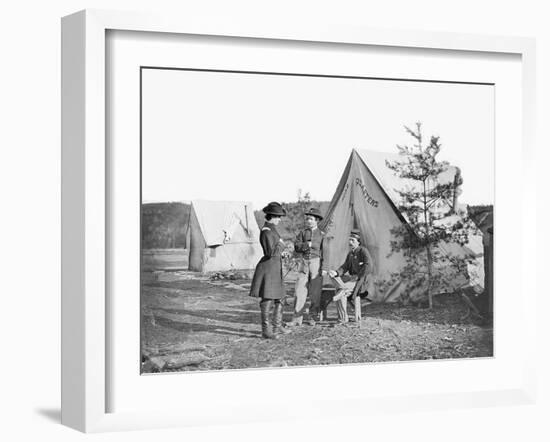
{"type": "Point", "coordinates": [267, 282]}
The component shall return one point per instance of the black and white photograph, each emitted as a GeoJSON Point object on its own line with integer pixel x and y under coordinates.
{"type": "Point", "coordinates": [302, 220]}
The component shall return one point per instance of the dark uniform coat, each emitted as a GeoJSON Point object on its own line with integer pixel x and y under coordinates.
{"type": "Point", "coordinates": [358, 264]}
{"type": "Point", "coordinates": [316, 237]}
{"type": "Point", "coordinates": [267, 282]}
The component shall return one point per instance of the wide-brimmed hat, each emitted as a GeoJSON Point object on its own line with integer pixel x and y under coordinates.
{"type": "Point", "coordinates": [314, 212]}
{"type": "Point", "coordinates": [355, 233]}
{"type": "Point", "coordinates": [274, 209]}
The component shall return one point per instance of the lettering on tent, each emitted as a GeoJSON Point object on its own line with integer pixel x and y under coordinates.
{"type": "Point", "coordinates": [369, 199]}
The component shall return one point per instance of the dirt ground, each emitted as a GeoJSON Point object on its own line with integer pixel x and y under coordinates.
{"type": "Point", "coordinates": [191, 322]}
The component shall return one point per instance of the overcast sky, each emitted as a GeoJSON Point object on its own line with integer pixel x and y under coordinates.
{"type": "Point", "coordinates": [260, 138]}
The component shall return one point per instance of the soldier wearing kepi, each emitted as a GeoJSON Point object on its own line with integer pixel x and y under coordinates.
{"type": "Point", "coordinates": [309, 246]}
{"type": "Point", "coordinates": [354, 273]}
{"type": "Point", "coordinates": [267, 282]}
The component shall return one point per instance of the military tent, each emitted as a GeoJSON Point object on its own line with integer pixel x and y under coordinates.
{"type": "Point", "coordinates": [366, 199]}
{"type": "Point", "coordinates": [223, 235]}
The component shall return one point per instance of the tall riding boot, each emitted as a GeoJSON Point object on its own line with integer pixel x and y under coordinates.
{"type": "Point", "coordinates": [278, 320]}
{"type": "Point", "coordinates": [265, 309]}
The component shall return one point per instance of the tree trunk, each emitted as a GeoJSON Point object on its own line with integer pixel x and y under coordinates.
{"type": "Point", "coordinates": [428, 248]}
{"type": "Point", "coordinates": [429, 254]}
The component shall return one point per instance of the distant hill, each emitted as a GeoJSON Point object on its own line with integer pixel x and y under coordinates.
{"type": "Point", "coordinates": [164, 225]}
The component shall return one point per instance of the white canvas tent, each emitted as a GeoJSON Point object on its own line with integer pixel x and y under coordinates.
{"type": "Point", "coordinates": [366, 199]}
{"type": "Point", "coordinates": [223, 235]}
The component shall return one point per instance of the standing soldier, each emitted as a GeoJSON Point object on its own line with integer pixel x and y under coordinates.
{"type": "Point", "coordinates": [267, 282]}
{"type": "Point", "coordinates": [309, 245]}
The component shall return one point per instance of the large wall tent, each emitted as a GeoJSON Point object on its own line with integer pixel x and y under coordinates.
{"type": "Point", "coordinates": [366, 199]}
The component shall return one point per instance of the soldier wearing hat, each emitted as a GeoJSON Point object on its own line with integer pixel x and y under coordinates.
{"type": "Point", "coordinates": [309, 246]}
{"type": "Point", "coordinates": [267, 282]}
{"type": "Point", "coordinates": [354, 274]}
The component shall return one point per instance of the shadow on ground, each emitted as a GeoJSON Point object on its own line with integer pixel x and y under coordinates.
{"type": "Point", "coordinates": [188, 327]}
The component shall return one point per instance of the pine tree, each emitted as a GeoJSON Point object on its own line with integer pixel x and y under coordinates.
{"type": "Point", "coordinates": [294, 221]}
{"type": "Point", "coordinates": [427, 201]}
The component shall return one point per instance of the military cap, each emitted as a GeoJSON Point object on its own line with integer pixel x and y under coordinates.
{"type": "Point", "coordinates": [355, 233]}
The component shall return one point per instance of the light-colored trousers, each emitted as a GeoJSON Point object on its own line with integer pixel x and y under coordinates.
{"type": "Point", "coordinates": [342, 303]}
{"type": "Point", "coordinates": [309, 282]}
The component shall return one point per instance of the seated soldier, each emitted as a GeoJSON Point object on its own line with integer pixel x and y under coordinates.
{"type": "Point", "coordinates": [352, 277]}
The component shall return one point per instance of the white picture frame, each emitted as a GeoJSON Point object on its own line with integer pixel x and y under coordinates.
{"type": "Point", "coordinates": [85, 213]}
